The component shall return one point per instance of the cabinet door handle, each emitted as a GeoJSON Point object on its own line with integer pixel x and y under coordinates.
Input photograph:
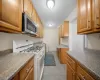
{"type": "Point", "coordinates": [88, 22]}
{"type": "Point", "coordinates": [73, 76]}
{"type": "Point", "coordinates": [98, 24]}
{"type": "Point", "coordinates": [27, 70]}
{"type": "Point", "coordinates": [82, 77]}
{"type": "Point", "coordinates": [97, 18]}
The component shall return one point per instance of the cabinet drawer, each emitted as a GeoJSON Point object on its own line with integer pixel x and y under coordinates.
{"type": "Point", "coordinates": [82, 74]}
{"type": "Point", "coordinates": [71, 62]}
{"type": "Point", "coordinates": [24, 72]}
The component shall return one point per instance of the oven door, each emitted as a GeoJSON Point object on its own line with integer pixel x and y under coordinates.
{"type": "Point", "coordinates": [28, 25]}
{"type": "Point", "coordinates": [40, 66]}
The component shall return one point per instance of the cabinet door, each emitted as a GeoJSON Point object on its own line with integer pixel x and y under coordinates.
{"type": "Point", "coordinates": [11, 14]}
{"type": "Point", "coordinates": [65, 28]}
{"type": "Point", "coordinates": [70, 73]}
{"type": "Point", "coordinates": [82, 74]}
{"type": "Point", "coordinates": [84, 15]}
{"type": "Point", "coordinates": [38, 28]}
{"type": "Point", "coordinates": [34, 16]}
{"type": "Point", "coordinates": [97, 13]}
{"type": "Point", "coordinates": [63, 56]}
{"type": "Point", "coordinates": [30, 75]}
{"type": "Point", "coordinates": [41, 30]}
{"type": "Point", "coordinates": [28, 7]}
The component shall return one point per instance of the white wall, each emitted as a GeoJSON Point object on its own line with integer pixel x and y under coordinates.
{"type": "Point", "coordinates": [6, 40]}
{"type": "Point", "coordinates": [75, 41]}
{"type": "Point", "coordinates": [51, 38]}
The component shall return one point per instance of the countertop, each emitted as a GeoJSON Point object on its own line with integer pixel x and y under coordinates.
{"type": "Point", "coordinates": [89, 59]}
{"type": "Point", "coordinates": [62, 46]}
{"type": "Point", "coordinates": [11, 63]}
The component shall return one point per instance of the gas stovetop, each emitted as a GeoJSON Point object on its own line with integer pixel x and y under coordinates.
{"type": "Point", "coordinates": [33, 49]}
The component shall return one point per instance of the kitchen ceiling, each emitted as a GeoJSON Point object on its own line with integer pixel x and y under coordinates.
{"type": "Point", "coordinates": [54, 17]}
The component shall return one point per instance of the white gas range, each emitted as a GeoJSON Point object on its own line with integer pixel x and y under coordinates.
{"type": "Point", "coordinates": [39, 52]}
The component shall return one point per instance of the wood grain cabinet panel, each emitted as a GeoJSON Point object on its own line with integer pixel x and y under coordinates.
{"type": "Point", "coordinates": [11, 14]}
{"type": "Point", "coordinates": [70, 73]}
{"type": "Point", "coordinates": [25, 71]}
{"type": "Point", "coordinates": [71, 62]}
{"type": "Point", "coordinates": [30, 75]}
{"type": "Point", "coordinates": [40, 28]}
{"type": "Point", "coordinates": [97, 15]}
{"type": "Point", "coordinates": [84, 15]}
{"type": "Point", "coordinates": [62, 55]}
{"type": "Point", "coordinates": [34, 15]}
{"type": "Point", "coordinates": [64, 30]}
{"type": "Point", "coordinates": [82, 74]}
{"type": "Point", "coordinates": [75, 72]}
{"type": "Point", "coordinates": [28, 7]}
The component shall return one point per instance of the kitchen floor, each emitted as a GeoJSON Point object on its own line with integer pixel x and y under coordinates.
{"type": "Point", "coordinates": [57, 72]}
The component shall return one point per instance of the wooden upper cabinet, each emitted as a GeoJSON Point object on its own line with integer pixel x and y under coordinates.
{"type": "Point", "coordinates": [11, 15]}
{"type": "Point", "coordinates": [28, 7]}
{"type": "Point", "coordinates": [40, 27]}
{"type": "Point", "coordinates": [34, 14]}
{"type": "Point", "coordinates": [84, 15]}
{"type": "Point", "coordinates": [97, 14]}
{"type": "Point", "coordinates": [66, 28]}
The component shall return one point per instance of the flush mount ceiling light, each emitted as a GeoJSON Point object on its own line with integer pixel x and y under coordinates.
{"type": "Point", "coordinates": [50, 4]}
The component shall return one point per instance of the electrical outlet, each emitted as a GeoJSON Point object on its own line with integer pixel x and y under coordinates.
{"type": "Point", "coordinates": [26, 40]}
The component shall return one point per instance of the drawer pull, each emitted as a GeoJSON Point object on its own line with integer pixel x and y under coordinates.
{"type": "Point", "coordinates": [73, 76]}
{"type": "Point", "coordinates": [27, 70]}
{"type": "Point", "coordinates": [98, 24]}
{"type": "Point", "coordinates": [82, 77]}
{"type": "Point", "coordinates": [97, 17]}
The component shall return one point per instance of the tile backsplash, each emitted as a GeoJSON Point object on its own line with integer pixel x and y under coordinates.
{"type": "Point", "coordinates": [6, 40]}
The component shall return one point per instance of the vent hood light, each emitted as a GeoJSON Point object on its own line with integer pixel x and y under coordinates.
{"type": "Point", "coordinates": [50, 4]}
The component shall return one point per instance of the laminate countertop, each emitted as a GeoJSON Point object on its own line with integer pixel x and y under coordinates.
{"type": "Point", "coordinates": [11, 64]}
{"type": "Point", "coordinates": [62, 46]}
{"type": "Point", "coordinates": [89, 59]}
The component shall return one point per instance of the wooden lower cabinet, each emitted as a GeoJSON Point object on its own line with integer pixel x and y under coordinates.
{"type": "Point", "coordinates": [61, 53]}
{"type": "Point", "coordinates": [70, 73]}
{"type": "Point", "coordinates": [27, 72]}
{"type": "Point", "coordinates": [79, 73]}
{"type": "Point", "coordinates": [16, 77]}
{"type": "Point", "coordinates": [30, 75]}
{"type": "Point", "coordinates": [82, 74]}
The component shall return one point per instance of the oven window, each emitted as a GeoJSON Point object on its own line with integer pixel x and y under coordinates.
{"type": "Point", "coordinates": [31, 26]}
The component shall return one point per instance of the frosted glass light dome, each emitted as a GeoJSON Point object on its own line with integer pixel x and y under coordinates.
{"type": "Point", "coordinates": [50, 4]}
